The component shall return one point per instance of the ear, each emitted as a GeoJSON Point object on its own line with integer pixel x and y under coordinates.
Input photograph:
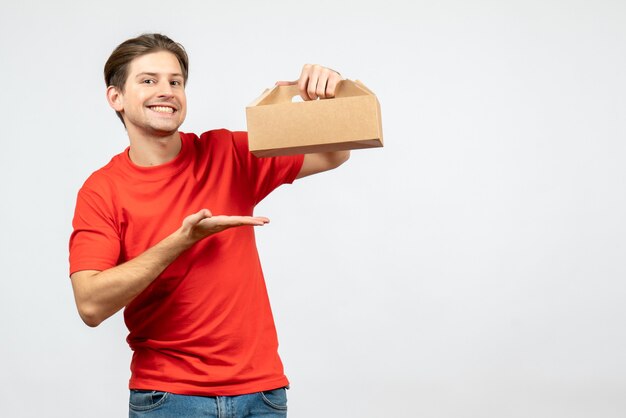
{"type": "Point", "coordinates": [115, 98]}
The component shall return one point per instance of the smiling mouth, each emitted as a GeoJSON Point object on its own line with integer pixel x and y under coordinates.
{"type": "Point", "coordinates": [162, 109]}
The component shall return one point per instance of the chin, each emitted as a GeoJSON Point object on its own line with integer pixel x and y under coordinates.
{"type": "Point", "coordinates": [165, 129]}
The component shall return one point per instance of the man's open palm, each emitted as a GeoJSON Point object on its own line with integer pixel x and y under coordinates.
{"type": "Point", "coordinates": [203, 224]}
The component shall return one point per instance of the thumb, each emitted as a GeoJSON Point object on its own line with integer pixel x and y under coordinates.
{"type": "Point", "coordinates": [197, 217]}
{"type": "Point", "coordinates": [205, 213]}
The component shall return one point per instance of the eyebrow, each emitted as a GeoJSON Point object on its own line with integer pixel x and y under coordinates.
{"type": "Point", "coordinates": [156, 74]}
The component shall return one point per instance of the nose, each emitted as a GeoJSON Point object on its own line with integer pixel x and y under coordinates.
{"type": "Point", "coordinates": [165, 89]}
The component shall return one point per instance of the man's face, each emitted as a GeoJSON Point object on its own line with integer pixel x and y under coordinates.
{"type": "Point", "coordinates": [153, 101]}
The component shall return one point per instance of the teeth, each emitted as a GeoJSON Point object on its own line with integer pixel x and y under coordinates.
{"type": "Point", "coordinates": [162, 109]}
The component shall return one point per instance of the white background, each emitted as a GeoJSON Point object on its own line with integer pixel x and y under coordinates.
{"type": "Point", "coordinates": [474, 267]}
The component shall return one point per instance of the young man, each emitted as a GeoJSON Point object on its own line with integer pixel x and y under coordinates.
{"type": "Point", "coordinates": [165, 231]}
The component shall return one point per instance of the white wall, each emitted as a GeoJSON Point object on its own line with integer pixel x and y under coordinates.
{"type": "Point", "coordinates": [474, 267]}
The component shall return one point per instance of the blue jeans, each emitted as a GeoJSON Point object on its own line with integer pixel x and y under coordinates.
{"type": "Point", "coordinates": [155, 404]}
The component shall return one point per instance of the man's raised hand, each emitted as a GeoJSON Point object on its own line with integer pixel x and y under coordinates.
{"type": "Point", "coordinates": [315, 82]}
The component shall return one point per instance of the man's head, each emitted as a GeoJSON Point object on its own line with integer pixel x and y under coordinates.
{"type": "Point", "coordinates": [117, 67]}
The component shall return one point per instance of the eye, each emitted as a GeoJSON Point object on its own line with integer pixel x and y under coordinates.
{"type": "Point", "coordinates": [176, 83]}
{"type": "Point", "coordinates": [148, 81]}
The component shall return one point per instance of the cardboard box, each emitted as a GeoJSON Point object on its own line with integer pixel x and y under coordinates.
{"type": "Point", "coordinates": [278, 126]}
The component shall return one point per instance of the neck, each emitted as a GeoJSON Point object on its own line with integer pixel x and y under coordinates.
{"type": "Point", "coordinates": [147, 151]}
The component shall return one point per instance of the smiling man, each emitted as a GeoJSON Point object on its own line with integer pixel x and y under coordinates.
{"type": "Point", "coordinates": [165, 232]}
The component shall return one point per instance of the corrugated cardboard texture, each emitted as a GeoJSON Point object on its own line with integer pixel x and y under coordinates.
{"type": "Point", "coordinates": [278, 126]}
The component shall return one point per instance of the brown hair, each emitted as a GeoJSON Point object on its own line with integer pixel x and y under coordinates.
{"type": "Point", "coordinates": [116, 67]}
